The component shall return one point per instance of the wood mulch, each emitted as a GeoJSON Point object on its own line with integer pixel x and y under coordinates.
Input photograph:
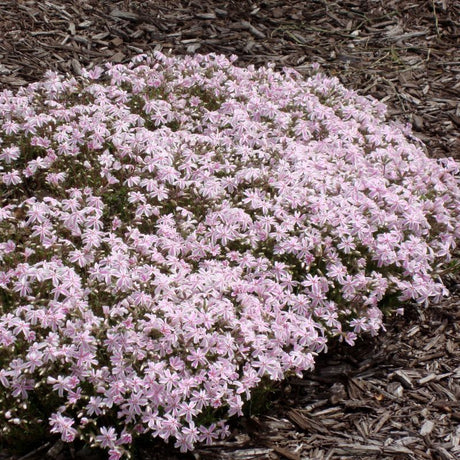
{"type": "Point", "coordinates": [391, 397]}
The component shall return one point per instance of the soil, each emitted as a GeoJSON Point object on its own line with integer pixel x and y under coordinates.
{"type": "Point", "coordinates": [395, 396]}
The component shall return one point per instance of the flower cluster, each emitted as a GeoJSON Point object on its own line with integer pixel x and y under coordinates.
{"type": "Point", "coordinates": [176, 231]}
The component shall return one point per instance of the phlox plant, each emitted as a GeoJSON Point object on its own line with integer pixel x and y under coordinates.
{"type": "Point", "coordinates": [177, 231]}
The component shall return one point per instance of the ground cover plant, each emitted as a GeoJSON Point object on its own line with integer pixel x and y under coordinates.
{"type": "Point", "coordinates": [177, 231]}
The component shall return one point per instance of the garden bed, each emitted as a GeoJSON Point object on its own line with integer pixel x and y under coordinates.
{"type": "Point", "coordinates": [400, 397]}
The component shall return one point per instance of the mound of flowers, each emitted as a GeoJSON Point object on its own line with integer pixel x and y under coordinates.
{"type": "Point", "coordinates": [177, 231]}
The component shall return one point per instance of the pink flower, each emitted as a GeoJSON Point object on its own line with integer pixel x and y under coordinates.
{"type": "Point", "coordinates": [63, 425]}
{"type": "Point", "coordinates": [11, 178]}
{"type": "Point", "coordinates": [9, 154]}
{"type": "Point", "coordinates": [115, 454]}
{"type": "Point", "coordinates": [108, 436]}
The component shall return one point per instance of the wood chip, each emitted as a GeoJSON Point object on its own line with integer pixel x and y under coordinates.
{"type": "Point", "coordinates": [427, 379]}
{"type": "Point", "coordinates": [427, 428]}
{"type": "Point", "coordinates": [206, 15]}
{"type": "Point", "coordinates": [402, 376]}
{"type": "Point", "coordinates": [286, 453]}
{"type": "Point", "coordinates": [247, 25]}
{"type": "Point", "coordinates": [124, 15]}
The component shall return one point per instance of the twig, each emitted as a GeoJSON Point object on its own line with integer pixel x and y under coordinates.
{"type": "Point", "coordinates": [35, 451]}
{"type": "Point", "coordinates": [436, 22]}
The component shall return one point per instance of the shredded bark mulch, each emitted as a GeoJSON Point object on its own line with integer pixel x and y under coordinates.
{"type": "Point", "coordinates": [391, 397]}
